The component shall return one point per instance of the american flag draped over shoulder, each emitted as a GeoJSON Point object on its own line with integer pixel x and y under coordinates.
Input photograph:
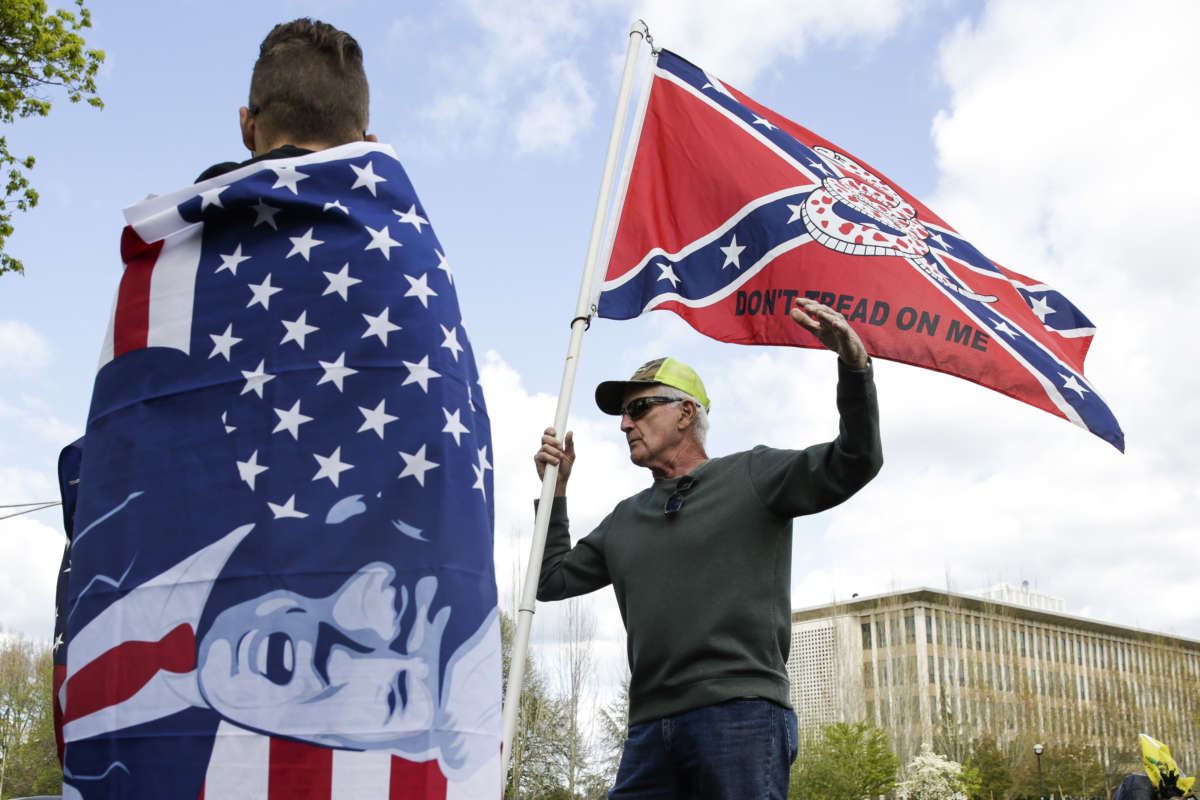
{"type": "Point", "coordinates": [731, 211]}
{"type": "Point", "coordinates": [281, 580]}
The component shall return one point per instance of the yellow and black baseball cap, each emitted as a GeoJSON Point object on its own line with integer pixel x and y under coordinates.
{"type": "Point", "coordinates": [665, 370]}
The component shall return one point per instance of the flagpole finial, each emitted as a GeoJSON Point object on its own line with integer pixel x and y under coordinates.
{"type": "Point", "coordinates": [640, 27]}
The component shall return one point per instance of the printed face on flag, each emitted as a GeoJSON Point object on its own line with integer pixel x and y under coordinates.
{"type": "Point", "coordinates": [729, 212]}
{"type": "Point", "coordinates": [284, 513]}
{"type": "Point", "coordinates": [323, 669]}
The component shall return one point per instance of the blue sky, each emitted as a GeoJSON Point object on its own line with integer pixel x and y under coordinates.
{"type": "Point", "coordinates": [1058, 142]}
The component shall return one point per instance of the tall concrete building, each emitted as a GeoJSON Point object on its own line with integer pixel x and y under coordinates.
{"type": "Point", "coordinates": [1009, 662]}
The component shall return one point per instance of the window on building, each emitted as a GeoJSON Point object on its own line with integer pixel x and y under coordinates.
{"type": "Point", "coordinates": [929, 628]}
{"type": "Point", "coordinates": [932, 671]}
{"type": "Point", "coordinates": [866, 633]}
{"type": "Point", "coordinates": [1022, 637]}
{"type": "Point", "coordinates": [880, 634]}
{"type": "Point", "coordinates": [910, 627]}
{"type": "Point", "coordinates": [978, 636]}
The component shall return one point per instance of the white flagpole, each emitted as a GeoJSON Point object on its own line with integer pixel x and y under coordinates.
{"type": "Point", "coordinates": [516, 669]}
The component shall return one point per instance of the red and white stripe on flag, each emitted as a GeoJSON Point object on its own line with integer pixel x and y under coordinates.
{"type": "Point", "coordinates": [250, 766]}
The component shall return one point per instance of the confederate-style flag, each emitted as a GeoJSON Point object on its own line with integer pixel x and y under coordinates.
{"type": "Point", "coordinates": [731, 211]}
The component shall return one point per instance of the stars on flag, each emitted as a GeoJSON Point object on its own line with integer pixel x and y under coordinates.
{"type": "Point", "coordinates": [379, 325]}
{"type": "Point", "coordinates": [231, 261]}
{"type": "Point", "coordinates": [256, 380]}
{"type": "Point", "coordinates": [336, 371]}
{"type": "Point", "coordinates": [223, 343]}
{"type": "Point", "coordinates": [1040, 307]}
{"type": "Point", "coordinates": [444, 266]}
{"type": "Point", "coordinates": [420, 374]}
{"type": "Point", "coordinates": [303, 245]}
{"type": "Point", "coordinates": [416, 465]}
{"type": "Point", "coordinates": [288, 177]}
{"type": "Point", "coordinates": [250, 469]}
{"type": "Point", "coordinates": [212, 197]}
{"type": "Point", "coordinates": [365, 178]}
{"type": "Point", "coordinates": [1070, 382]}
{"type": "Point", "coordinates": [763, 122]}
{"type": "Point", "coordinates": [382, 241]}
{"type": "Point", "coordinates": [340, 282]}
{"type": "Point", "coordinates": [291, 420]}
{"type": "Point", "coordinates": [667, 273]}
{"type": "Point", "coordinates": [450, 340]}
{"type": "Point", "coordinates": [297, 330]}
{"type": "Point", "coordinates": [375, 419]}
{"type": "Point", "coordinates": [331, 466]}
{"type": "Point", "coordinates": [411, 217]}
{"type": "Point", "coordinates": [287, 510]}
{"type": "Point", "coordinates": [264, 214]}
{"type": "Point", "coordinates": [454, 425]}
{"type": "Point", "coordinates": [481, 468]}
{"type": "Point", "coordinates": [261, 293]}
{"type": "Point", "coordinates": [733, 253]}
{"type": "Point", "coordinates": [419, 288]}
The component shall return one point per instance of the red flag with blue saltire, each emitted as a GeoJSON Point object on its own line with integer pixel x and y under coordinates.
{"type": "Point", "coordinates": [730, 211]}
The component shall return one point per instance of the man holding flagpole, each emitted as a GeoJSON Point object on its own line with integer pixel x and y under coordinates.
{"type": "Point", "coordinates": [700, 563]}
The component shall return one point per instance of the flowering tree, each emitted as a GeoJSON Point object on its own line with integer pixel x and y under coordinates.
{"type": "Point", "coordinates": [934, 777]}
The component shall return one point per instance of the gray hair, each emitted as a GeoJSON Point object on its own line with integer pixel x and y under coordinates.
{"type": "Point", "coordinates": [700, 427]}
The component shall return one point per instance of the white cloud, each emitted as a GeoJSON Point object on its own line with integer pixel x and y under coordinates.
{"type": "Point", "coordinates": [30, 552]}
{"type": "Point", "coordinates": [556, 114]}
{"type": "Point", "coordinates": [738, 41]}
{"type": "Point", "coordinates": [22, 348]}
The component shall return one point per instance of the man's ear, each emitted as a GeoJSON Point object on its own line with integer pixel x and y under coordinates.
{"type": "Point", "coordinates": [247, 123]}
{"type": "Point", "coordinates": [687, 413]}
{"type": "Point", "coordinates": [370, 137]}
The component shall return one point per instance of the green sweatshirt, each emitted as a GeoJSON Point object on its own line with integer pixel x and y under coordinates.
{"type": "Point", "coordinates": [706, 595]}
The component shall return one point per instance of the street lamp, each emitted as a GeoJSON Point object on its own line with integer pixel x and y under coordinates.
{"type": "Point", "coordinates": [1038, 749]}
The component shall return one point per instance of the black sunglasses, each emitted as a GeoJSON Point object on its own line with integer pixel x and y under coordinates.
{"type": "Point", "coordinates": [636, 408]}
{"type": "Point", "coordinates": [675, 501]}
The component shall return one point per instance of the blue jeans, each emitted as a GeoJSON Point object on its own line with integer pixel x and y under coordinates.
{"type": "Point", "coordinates": [737, 750]}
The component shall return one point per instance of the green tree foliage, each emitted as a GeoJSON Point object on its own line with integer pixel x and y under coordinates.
{"type": "Point", "coordinates": [30, 764]}
{"type": "Point", "coordinates": [993, 767]}
{"type": "Point", "coordinates": [1071, 768]}
{"type": "Point", "coordinates": [844, 761]}
{"type": "Point", "coordinates": [38, 50]}
{"type": "Point", "coordinates": [930, 776]}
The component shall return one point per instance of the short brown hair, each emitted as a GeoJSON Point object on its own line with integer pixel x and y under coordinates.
{"type": "Point", "coordinates": [309, 83]}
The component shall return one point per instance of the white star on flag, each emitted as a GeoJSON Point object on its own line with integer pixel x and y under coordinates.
{"type": "Point", "coordinates": [261, 293]}
{"type": "Point", "coordinates": [416, 465]}
{"type": "Point", "coordinates": [1003, 327]}
{"type": "Point", "coordinates": [817, 165]}
{"type": "Point", "coordinates": [249, 469]}
{"type": "Point", "coordinates": [480, 470]}
{"type": "Point", "coordinates": [1073, 384]}
{"type": "Point", "coordinates": [365, 177]}
{"type": "Point", "coordinates": [450, 342]}
{"type": "Point", "coordinates": [760, 121]}
{"type": "Point", "coordinates": [297, 330]}
{"type": "Point", "coordinates": [419, 373]}
{"type": "Point", "coordinates": [1040, 307]}
{"type": "Point", "coordinates": [265, 213]}
{"type": "Point", "coordinates": [419, 288]}
{"type": "Point", "coordinates": [733, 253]}
{"type": "Point", "coordinates": [256, 380]}
{"type": "Point", "coordinates": [411, 216]}
{"type": "Point", "coordinates": [336, 205]}
{"type": "Point", "coordinates": [379, 326]}
{"type": "Point", "coordinates": [375, 419]}
{"type": "Point", "coordinates": [444, 266]}
{"type": "Point", "coordinates": [382, 241]}
{"type": "Point", "coordinates": [303, 244]}
{"type": "Point", "coordinates": [223, 343]}
{"type": "Point", "coordinates": [287, 176]}
{"type": "Point", "coordinates": [332, 466]}
{"type": "Point", "coordinates": [454, 425]}
{"type": "Point", "coordinates": [667, 273]}
{"type": "Point", "coordinates": [340, 282]}
{"type": "Point", "coordinates": [291, 420]}
{"type": "Point", "coordinates": [335, 371]}
{"type": "Point", "coordinates": [287, 510]}
{"type": "Point", "coordinates": [231, 261]}
{"type": "Point", "coordinates": [212, 197]}
{"type": "Point", "coordinates": [795, 209]}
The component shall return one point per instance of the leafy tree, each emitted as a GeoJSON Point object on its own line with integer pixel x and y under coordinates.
{"type": "Point", "coordinates": [30, 756]}
{"type": "Point", "coordinates": [37, 50]}
{"type": "Point", "coordinates": [845, 761]}
{"type": "Point", "coordinates": [992, 765]}
{"type": "Point", "coordinates": [934, 777]}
